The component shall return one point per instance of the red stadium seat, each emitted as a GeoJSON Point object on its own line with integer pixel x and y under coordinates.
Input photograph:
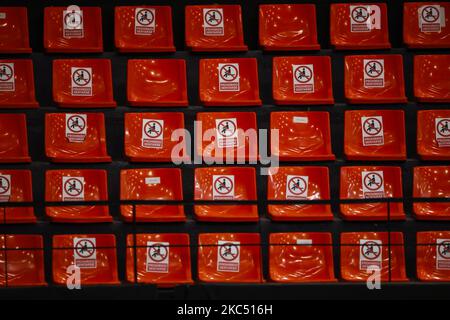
{"type": "Point", "coordinates": [227, 135]}
{"type": "Point", "coordinates": [143, 29]}
{"type": "Point", "coordinates": [163, 259]}
{"type": "Point", "coordinates": [94, 255]}
{"type": "Point", "coordinates": [231, 82]}
{"type": "Point", "coordinates": [14, 30]}
{"type": "Point", "coordinates": [431, 182]}
{"type": "Point", "coordinates": [369, 183]}
{"type": "Point", "coordinates": [225, 184]}
{"type": "Point", "coordinates": [152, 184]}
{"type": "Point", "coordinates": [148, 136]}
{"type": "Point", "coordinates": [373, 79]}
{"type": "Point", "coordinates": [17, 84]}
{"type": "Point", "coordinates": [77, 185]}
{"type": "Point", "coordinates": [431, 81]}
{"type": "Point", "coordinates": [83, 83]}
{"type": "Point", "coordinates": [73, 31]}
{"type": "Point", "coordinates": [303, 136]}
{"type": "Point", "coordinates": [302, 80]}
{"type": "Point", "coordinates": [16, 186]}
{"type": "Point", "coordinates": [362, 250]}
{"type": "Point", "coordinates": [356, 26]}
{"type": "Point", "coordinates": [288, 27]}
{"type": "Point", "coordinates": [433, 134]}
{"type": "Point", "coordinates": [375, 135]}
{"type": "Point", "coordinates": [214, 28]}
{"type": "Point", "coordinates": [433, 256]}
{"type": "Point", "coordinates": [76, 137]}
{"type": "Point", "coordinates": [229, 258]}
{"type": "Point", "coordinates": [299, 183]}
{"type": "Point", "coordinates": [301, 257]}
{"type": "Point", "coordinates": [157, 83]}
{"type": "Point", "coordinates": [13, 138]}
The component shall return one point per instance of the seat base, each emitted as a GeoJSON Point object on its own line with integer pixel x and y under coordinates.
{"type": "Point", "coordinates": [218, 49]}
{"type": "Point", "coordinates": [376, 100]}
{"type": "Point", "coordinates": [20, 105]}
{"type": "Point", "coordinates": [182, 103]}
{"type": "Point", "coordinates": [101, 159]}
{"type": "Point", "coordinates": [305, 102]}
{"type": "Point", "coordinates": [90, 105]}
{"type": "Point", "coordinates": [372, 46]}
{"type": "Point", "coordinates": [143, 50]}
{"type": "Point", "coordinates": [74, 50]}
{"type": "Point", "coordinates": [306, 47]}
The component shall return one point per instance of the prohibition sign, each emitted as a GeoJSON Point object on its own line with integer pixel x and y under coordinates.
{"type": "Point", "coordinates": [297, 185]}
{"type": "Point", "coordinates": [226, 128]}
{"type": "Point", "coordinates": [428, 16]}
{"type": "Point", "coordinates": [443, 127]}
{"type": "Point", "coordinates": [304, 75]}
{"type": "Point", "coordinates": [85, 248]}
{"type": "Point", "coordinates": [73, 19]}
{"type": "Point", "coordinates": [6, 72]}
{"type": "Point", "coordinates": [376, 68]}
{"type": "Point", "coordinates": [157, 252]}
{"type": "Point", "coordinates": [145, 17]}
{"type": "Point", "coordinates": [444, 249]}
{"type": "Point", "coordinates": [78, 77]}
{"type": "Point", "coordinates": [76, 123]}
{"type": "Point", "coordinates": [70, 186]}
{"type": "Point", "coordinates": [358, 16]}
{"type": "Point", "coordinates": [152, 129]}
{"type": "Point", "coordinates": [370, 250]}
{"type": "Point", "coordinates": [223, 185]}
{"type": "Point", "coordinates": [227, 74]}
{"type": "Point", "coordinates": [370, 181]}
{"type": "Point", "coordinates": [213, 17]}
{"type": "Point", "coordinates": [4, 186]}
{"type": "Point", "coordinates": [229, 251]}
{"type": "Point", "coordinates": [372, 126]}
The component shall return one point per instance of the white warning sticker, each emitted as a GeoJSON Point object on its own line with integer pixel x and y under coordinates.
{"type": "Point", "coordinates": [144, 21]}
{"type": "Point", "coordinates": [365, 18]}
{"type": "Point", "coordinates": [213, 22]}
{"type": "Point", "coordinates": [303, 78]}
{"type": "Point", "coordinates": [73, 23]}
{"type": "Point", "coordinates": [304, 242]}
{"type": "Point", "coordinates": [370, 253]}
{"type": "Point", "coordinates": [72, 188]}
{"type": "Point", "coordinates": [372, 184]}
{"type": "Point", "coordinates": [373, 73]}
{"type": "Point", "coordinates": [5, 187]}
{"type": "Point", "coordinates": [152, 133]}
{"type": "Point", "coordinates": [152, 180]}
{"type": "Point", "coordinates": [157, 257]}
{"type": "Point", "coordinates": [372, 131]}
{"type": "Point", "coordinates": [229, 77]}
{"type": "Point", "coordinates": [296, 187]}
{"type": "Point", "coordinates": [7, 77]}
{"type": "Point", "coordinates": [228, 256]}
{"type": "Point", "coordinates": [76, 127]}
{"type": "Point", "coordinates": [85, 253]}
{"type": "Point", "coordinates": [443, 254]}
{"type": "Point", "coordinates": [81, 81]}
{"type": "Point", "coordinates": [227, 133]}
{"type": "Point", "coordinates": [431, 18]}
{"type": "Point", "coordinates": [223, 187]}
{"type": "Point", "coordinates": [442, 131]}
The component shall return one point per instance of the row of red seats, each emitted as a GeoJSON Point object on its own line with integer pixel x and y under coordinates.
{"type": "Point", "coordinates": [375, 135]}
{"type": "Point", "coordinates": [219, 27]}
{"type": "Point", "coordinates": [232, 184]}
{"type": "Point", "coordinates": [306, 80]}
{"type": "Point", "coordinates": [164, 259]}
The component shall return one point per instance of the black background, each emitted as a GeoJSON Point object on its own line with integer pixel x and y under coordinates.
{"type": "Point", "coordinates": [114, 130]}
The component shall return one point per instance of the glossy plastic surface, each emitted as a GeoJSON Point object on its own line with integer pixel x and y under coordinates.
{"type": "Point", "coordinates": [230, 38]}
{"type": "Point", "coordinates": [366, 31]}
{"type": "Point", "coordinates": [152, 184]}
{"type": "Point", "coordinates": [160, 39]}
{"type": "Point", "coordinates": [59, 149]}
{"type": "Point", "coordinates": [248, 259]}
{"type": "Point", "coordinates": [13, 138]}
{"type": "Point", "coordinates": [301, 257]}
{"type": "Point", "coordinates": [393, 89]}
{"type": "Point", "coordinates": [431, 80]}
{"type": "Point", "coordinates": [157, 82]}
{"type": "Point", "coordinates": [165, 270]}
{"type": "Point", "coordinates": [430, 253]}
{"type": "Point", "coordinates": [102, 91]}
{"type": "Point", "coordinates": [352, 251]}
{"type": "Point", "coordinates": [22, 95]}
{"type": "Point", "coordinates": [351, 187]}
{"type": "Point", "coordinates": [210, 185]}
{"type": "Point", "coordinates": [209, 85]}
{"type": "Point", "coordinates": [433, 134]}
{"type": "Point", "coordinates": [431, 182]}
{"type": "Point", "coordinates": [317, 89]}
{"type": "Point", "coordinates": [105, 270]}
{"type": "Point", "coordinates": [414, 37]}
{"type": "Point", "coordinates": [18, 188]}
{"type": "Point", "coordinates": [317, 188]}
{"type": "Point", "coordinates": [158, 143]}
{"type": "Point", "coordinates": [288, 27]}
{"type": "Point", "coordinates": [222, 135]}
{"type": "Point", "coordinates": [54, 40]}
{"type": "Point", "coordinates": [303, 136]}
{"type": "Point", "coordinates": [14, 36]}
{"type": "Point", "coordinates": [23, 264]}
{"type": "Point", "coordinates": [383, 136]}
{"type": "Point", "coordinates": [94, 188]}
